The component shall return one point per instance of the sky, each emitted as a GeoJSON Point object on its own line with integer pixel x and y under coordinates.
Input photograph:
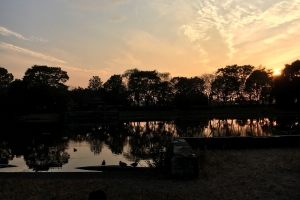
{"type": "Point", "coordinates": [186, 38]}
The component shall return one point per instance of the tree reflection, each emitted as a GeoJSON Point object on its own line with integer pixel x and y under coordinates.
{"type": "Point", "coordinates": [148, 141]}
{"type": "Point", "coordinates": [96, 142]}
{"type": "Point", "coordinates": [136, 141]}
{"type": "Point", "coordinates": [240, 127]}
{"type": "Point", "coordinates": [41, 156]}
{"type": "Point", "coordinates": [116, 143]}
{"type": "Point", "coordinates": [5, 153]}
{"type": "Point", "coordinates": [190, 128]}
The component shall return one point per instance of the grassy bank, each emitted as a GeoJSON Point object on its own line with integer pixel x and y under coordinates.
{"type": "Point", "coordinates": [230, 174]}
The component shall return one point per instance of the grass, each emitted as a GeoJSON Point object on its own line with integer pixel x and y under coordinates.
{"type": "Point", "coordinates": [226, 174]}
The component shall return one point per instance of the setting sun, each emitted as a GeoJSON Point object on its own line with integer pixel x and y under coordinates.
{"type": "Point", "coordinates": [277, 72]}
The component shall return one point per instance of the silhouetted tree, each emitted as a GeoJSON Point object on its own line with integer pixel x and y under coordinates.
{"type": "Point", "coordinates": [258, 85]}
{"type": "Point", "coordinates": [230, 82]}
{"type": "Point", "coordinates": [46, 88]}
{"type": "Point", "coordinates": [126, 75]}
{"type": "Point", "coordinates": [287, 86]}
{"type": "Point", "coordinates": [37, 76]}
{"type": "Point", "coordinates": [208, 80]}
{"type": "Point", "coordinates": [80, 98]}
{"type": "Point", "coordinates": [95, 83]}
{"type": "Point", "coordinates": [141, 85]}
{"type": "Point", "coordinates": [116, 92]}
{"type": "Point", "coordinates": [163, 93]}
{"type": "Point", "coordinates": [5, 79]}
{"type": "Point", "coordinates": [18, 96]}
{"type": "Point", "coordinates": [188, 92]}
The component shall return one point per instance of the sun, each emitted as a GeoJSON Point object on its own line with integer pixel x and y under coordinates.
{"type": "Point", "coordinates": [277, 72]}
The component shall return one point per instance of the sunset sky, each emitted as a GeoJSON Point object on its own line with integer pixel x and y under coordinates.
{"type": "Point", "coordinates": [184, 37]}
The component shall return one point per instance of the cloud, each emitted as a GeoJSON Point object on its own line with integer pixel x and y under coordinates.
{"type": "Point", "coordinates": [127, 59]}
{"type": "Point", "coordinates": [191, 33]}
{"type": "Point", "coordinates": [242, 24]}
{"type": "Point", "coordinates": [28, 52]}
{"type": "Point", "coordinates": [6, 32]}
{"type": "Point", "coordinates": [31, 38]}
{"type": "Point", "coordinates": [103, 71]}
{"type": "Point", "coordinates": [97, 5]}
{"type": "Point", "coordinates": [118, 19]}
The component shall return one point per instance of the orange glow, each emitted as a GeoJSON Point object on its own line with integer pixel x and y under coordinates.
{"type": "Point", "coordinates": [277, 72]}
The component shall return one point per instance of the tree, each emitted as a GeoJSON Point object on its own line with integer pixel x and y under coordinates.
{"type": "Point", "coordinates": [287, 85]}
{"type": "Point", "coordinates": [126, 75]}
{"type": "Point", "coordinates": [115, 90]}
{"type": "Point", "coordinates": [208, 80]}
{"type": "Point", "coordinates": [80, 98]}
{"type": "Point", "coordinates": [19, 97]}
{"type": "Point", "coordinates": [188, 91]}
{"type": "Point", "coordinates": [45, 76]}
{"type": "Point", "coordinates": [46, 88]}
{"type": "Point", "coordinates": [258, 85]}
{"type": "Point", "coordinates": [164, 93]}
{"type": "Point", "coordinates": [230, 82]}
{"type": "Point", "coordinates": [5, 79]}
{"type": "Point", "coordinates": [141, 84]}
{"type": "Point", "coordinates": [95, 83]}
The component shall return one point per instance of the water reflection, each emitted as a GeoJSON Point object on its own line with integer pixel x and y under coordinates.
{"type": "Point", "coordinates": [50, 148]}
{"type": "Point", "coordinates": [5, 153]}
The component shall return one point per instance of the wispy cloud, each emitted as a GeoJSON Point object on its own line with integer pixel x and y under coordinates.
{"type": "Point", "coordinates": [31, 38]}
{"type": "Point", "coordinates": [6, 32]}
{"type": "Point", "coordinates": [31, 53]}
{"type": "Point", "coordinates": [97, 5]}
{"type": "Point", "coordinates": [93, 71]}
{"type": "Point", "coordinates": [118, 19]}
{"type": "Point", "coordinates": [242, 23]}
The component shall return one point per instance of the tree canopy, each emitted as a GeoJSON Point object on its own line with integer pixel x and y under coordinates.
{"type": "Point", "coordinates": [258, 85]}
{"type": "Point", "coordinates": [95, 83]}
{"type": "Point", "coordinates": [230, 82]}
{"type": "Point", "coordinates": [5, 78]}
{"type": "Point", "coordinates": [45, 76]}
{"type": "Point", "coordinates": [44, 88]}
{"type": "Point", "coordinates": [287, 86]}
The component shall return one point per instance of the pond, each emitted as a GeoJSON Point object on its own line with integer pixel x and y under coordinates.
{"type": "Point", "coordinates": [46, 147]}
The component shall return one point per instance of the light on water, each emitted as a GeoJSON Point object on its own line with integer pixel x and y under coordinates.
{"type": "Point", "coordinates": [82, 157]}
{"type": "Point", "coordinates": [63, 149]}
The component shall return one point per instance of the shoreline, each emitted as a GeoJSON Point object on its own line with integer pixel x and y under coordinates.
{"type": "Point", "coordinates": [161, 115]}
{"type": "Point", "coordinates": [227, 174]}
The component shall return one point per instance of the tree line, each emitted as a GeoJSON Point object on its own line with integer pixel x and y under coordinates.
{"type": "Point", "coordinates": [44, 88]}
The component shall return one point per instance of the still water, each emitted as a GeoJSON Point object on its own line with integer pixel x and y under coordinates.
{"type": "Point", "coordinates": [63, 148]}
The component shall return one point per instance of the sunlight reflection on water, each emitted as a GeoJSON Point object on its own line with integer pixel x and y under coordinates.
{"type": "Point", "coordinates": [130, 141]}
{"type": "Point", "coordinates": [82, 157]}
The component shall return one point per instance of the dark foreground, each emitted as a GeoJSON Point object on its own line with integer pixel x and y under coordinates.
{"type": "Point", "coordinates": [227, 174]}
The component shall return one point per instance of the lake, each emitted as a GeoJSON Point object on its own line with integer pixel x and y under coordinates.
{"type": "Point", "coordinates": [48, 147]}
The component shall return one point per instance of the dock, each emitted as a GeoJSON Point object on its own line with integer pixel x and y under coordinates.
{"type": "Point", "coordinates": [184, 161]}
